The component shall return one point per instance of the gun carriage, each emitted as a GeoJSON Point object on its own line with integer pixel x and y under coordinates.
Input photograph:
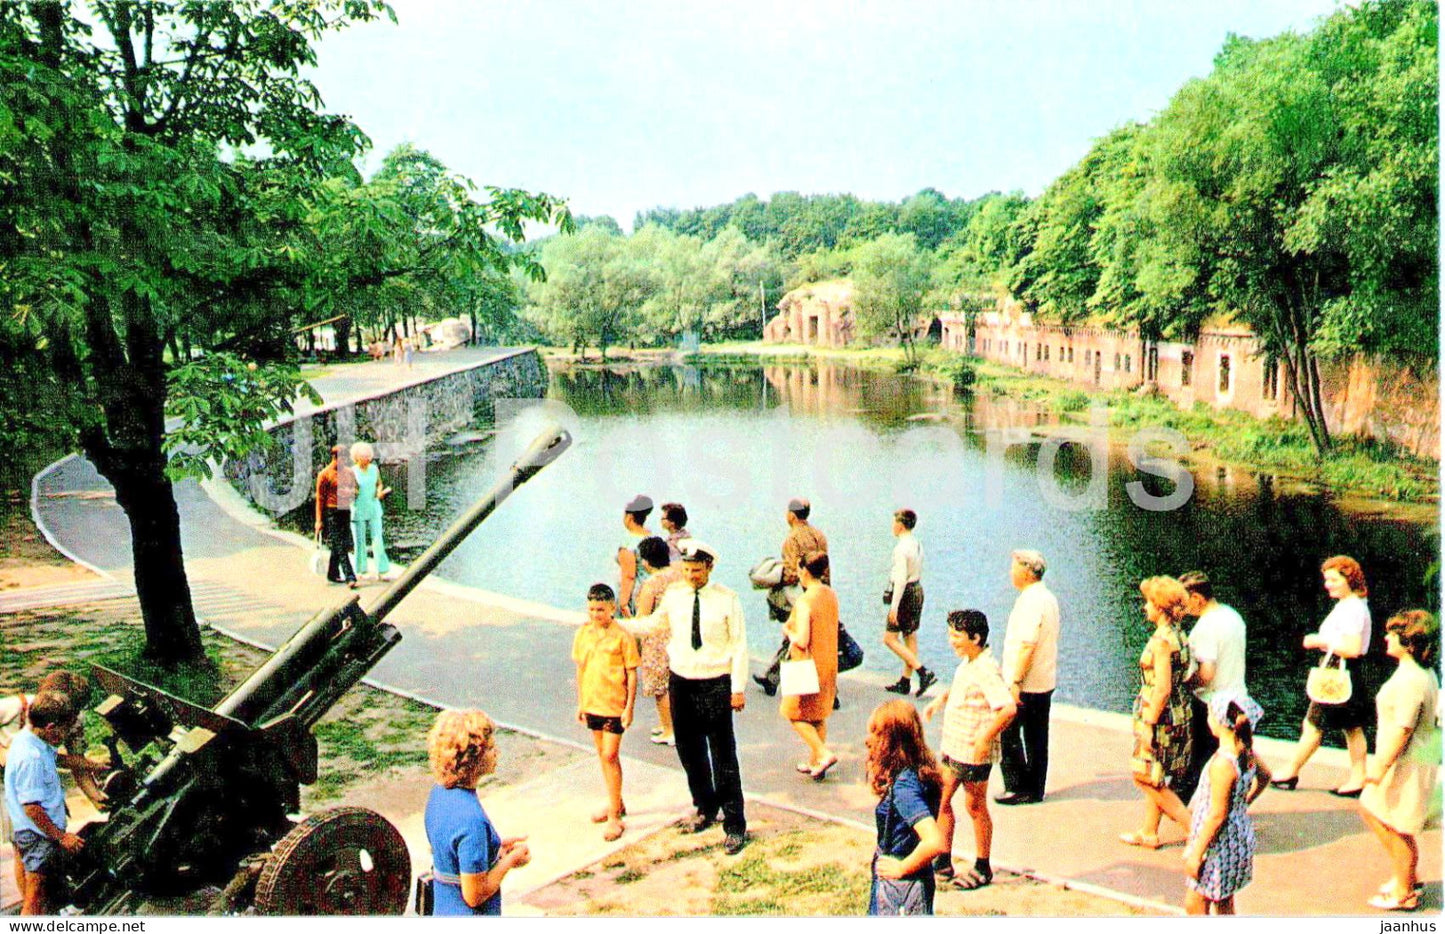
{"type": "Point", "coordinates": [207, 799]}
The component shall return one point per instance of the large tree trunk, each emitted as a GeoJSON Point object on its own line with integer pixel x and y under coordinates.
{"type": "Point", "coordinates": [343, 337]}
{"type": "Point", "coordinates": [172, 635]}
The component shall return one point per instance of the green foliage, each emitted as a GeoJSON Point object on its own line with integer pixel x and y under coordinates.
{"type": "Point", "coordinates": [891, 277]}
{"type": "Point", "coordinates": [223, 405]}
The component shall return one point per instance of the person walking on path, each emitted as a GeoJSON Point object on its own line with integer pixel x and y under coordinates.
{"type": "Point", "coordinates": [1217, 644]}
{"type": "Point", "coordinates": [1345, 634]}
{"type": "Point", "coordinates": [366, 512]}
{"type": "Point", "coordinates": [630, 574]}
{"type": "Point", "coordinates": [904, 775]}
{"type": "Point", "coordinates": [1400, 783]}
{"type": "Point", "coordinates": [813, 632]}
{"type": "Point", "coordinates": [35, 801]}
{"type": "Point", "coordinates": [1030, 666]}
{"type": "Point", "coordinates": [653, 671]}
{"type": "Point", "coordinates": [707, 650]}
{"type": "Point", "coordinates": [1219, 856]}
{"type": "Point", "coordinates": [1161, 712]}
{"type": "Point", "coordinates": [904, 597]}
{"type": "Point", "coordinates": [976, 708]}
{"type": "Point", "coordinates": [674, 523]}
{"type": "Point", "coordinates": [469, 858]}
{"type": "Point", "coordinates": [335, 493]}
{"type": "Point", "coordinates": [802, 540]}
{"type": "Point", "coordinates": [606, 659]}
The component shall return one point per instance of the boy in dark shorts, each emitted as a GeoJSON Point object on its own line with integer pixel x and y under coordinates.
{"type": "Point", "coordinates": [606, 657]}
{"type": "Point", "coordinates": [35, 800]}
{"type": "Point", "coordinates": [976, 708]}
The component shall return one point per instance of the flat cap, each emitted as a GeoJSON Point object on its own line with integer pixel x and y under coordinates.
{"type": "Point", "coordinates": [695, 550]}
{"type": "Point", "coordinates": [639, 503]}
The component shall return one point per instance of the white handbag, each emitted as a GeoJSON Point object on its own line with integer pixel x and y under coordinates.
{"type": "Point", "coordinates": [798, 678]}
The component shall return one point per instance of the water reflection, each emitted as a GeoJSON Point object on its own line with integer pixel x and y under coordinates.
{"type": "Point", "coordinates": [734, 443]}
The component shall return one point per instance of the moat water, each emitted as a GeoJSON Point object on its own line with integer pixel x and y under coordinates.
{"type": "Point", "coordinates": [734, 443]}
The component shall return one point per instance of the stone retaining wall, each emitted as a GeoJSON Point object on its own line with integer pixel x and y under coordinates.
{"type": "Point", "coordinates": [400, 424]}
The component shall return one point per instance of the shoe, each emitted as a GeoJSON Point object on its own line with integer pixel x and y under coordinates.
{"type": "Point", "coordinates": [926, 679]}
{"type": "Point", "coordinates": [1285, 784]}
{"type": "Point", "coordinates": [1015, 797]}
{"type": "Point", "coordinates": [661, 740]}
{"type": "Point", "coordinates": [1342, 793]}
{"type": "Point", "coordinates": [656, 731]}
{"type": "Point", "coordinates": [836, 704]}
{"type": "Point", "coordinates": [614, 831]}
{"type": "Point", "coordinates": [822, 770]}
{"type": "Point", "coordinates": [943, 868]}
{"type": "Point", "coordinates": [1149, 841]}
{"type": "Point", "coordinates": [734, 843]}
{"type": "Point", "coordinates": [973, 879]}
{"type": "Point", "coordinates": [769, 688]}
{"type": "Point", "coordinates": [1392, 903]}
{"type": "Point", "coordinates": [697, 823]}
{"type": "Point", "coordinates": [602, 816]}
{"type": "Point", "coordinates": [901, 686]}
{"type": "Point", "coordinates": [804, 767]}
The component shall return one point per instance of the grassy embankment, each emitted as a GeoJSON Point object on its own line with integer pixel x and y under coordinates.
{"type": "Point", "coordinates": [1356, 465]}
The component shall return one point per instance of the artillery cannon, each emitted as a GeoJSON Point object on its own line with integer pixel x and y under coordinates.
{"type": "Point", "coordinates": [208, 798]}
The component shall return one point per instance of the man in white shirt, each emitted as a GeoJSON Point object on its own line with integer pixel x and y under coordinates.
{"type": "Point", "coordinates": [904, 597]}
{"type": "Point", "coordinates": [1217, 643]}
{"type": "Point", "coordinates": [1030, 665]}
{"type": "Point", "coordinates": [707, 650]}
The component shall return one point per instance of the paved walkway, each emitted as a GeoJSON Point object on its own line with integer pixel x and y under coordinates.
{"type": "Point", "coordinates": [463, 647]}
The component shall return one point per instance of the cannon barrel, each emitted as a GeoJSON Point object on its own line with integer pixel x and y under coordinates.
{"type": "Point", "coordinates": [543, 451]}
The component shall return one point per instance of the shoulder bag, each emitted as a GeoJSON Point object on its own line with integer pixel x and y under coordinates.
{"type": "Point", "coordinates": [1329, 685]}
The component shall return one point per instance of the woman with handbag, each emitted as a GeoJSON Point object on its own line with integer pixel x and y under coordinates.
{"type": "Point", "coordinates": [812, 633]}
{"type": "Point", "coordinates": [1400, 783]}
{"type": "Point", "coordinates": [904, 775]}
{"type": "Point", "coordinates": [1337, 701]}
{"type": "Point", "coordinates": [1162, 714]}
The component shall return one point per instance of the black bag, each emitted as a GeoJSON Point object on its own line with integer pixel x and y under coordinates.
{"type": "Point", "coordinates": [888, 595]}
{"type": "Point", "coordinates": [850, 653]}
{"type": "Point", "coordinates": [425, 900]}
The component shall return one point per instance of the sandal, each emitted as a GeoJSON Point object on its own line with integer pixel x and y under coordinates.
{"type": "Point", "coordinates": [1392, 903]}
{"type": "Point", "coordinates": [973, 879]}
{"type": "Point", "coordinates": [1389, 886]}
{"type": "Point", "coordinates": [604, 815]}
{"type": "Point", "coordinates": [614, 831]}
{"type": "Point", "coordinates": [822, 770]}
{"type": "Point", "coordinates": [656, 731]}
{"type": "Point", "coordinates": [804, 767]}
{"type": "Point", "coordinates": [1149, 841]}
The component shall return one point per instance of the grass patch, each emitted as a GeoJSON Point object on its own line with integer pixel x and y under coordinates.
{"type": "Point", "coordinates": [629, 876]}
{"type": "Point", "coordinates": [765, 880]}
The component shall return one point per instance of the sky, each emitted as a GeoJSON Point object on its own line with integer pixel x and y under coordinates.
{"type": "Point", "coordinates": [620, 107]}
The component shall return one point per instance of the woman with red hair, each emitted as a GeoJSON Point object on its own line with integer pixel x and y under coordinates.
{"type": "Point", "coordinates": [1345, 634]}
{"type": "Point", "coordinates": [904, 775]}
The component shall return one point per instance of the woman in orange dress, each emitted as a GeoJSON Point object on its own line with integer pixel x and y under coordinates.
{"type": "Point", "coordinates": [812, 631]}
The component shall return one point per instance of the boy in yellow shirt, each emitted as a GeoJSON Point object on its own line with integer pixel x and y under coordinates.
{"type": "Point", "coordinates": [606, 658]}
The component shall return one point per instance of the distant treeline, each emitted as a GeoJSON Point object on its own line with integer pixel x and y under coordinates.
{"type": "Point", "coordinates": [1294, 189]}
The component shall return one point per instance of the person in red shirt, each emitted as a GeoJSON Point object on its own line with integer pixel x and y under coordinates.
{"type": "Point", "coordinates": [335, 492]}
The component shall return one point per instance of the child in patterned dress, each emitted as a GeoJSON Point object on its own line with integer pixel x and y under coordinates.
{"type": "Point", "coordinates": [1219, 856]}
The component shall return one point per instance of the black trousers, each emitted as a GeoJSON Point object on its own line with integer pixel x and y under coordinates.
{"type": "Point", "coordinates": [337, 524]}
{"type": "Point", "coordinates": [702, 720]}
{"type": "Point", "coordinates": [1025, 746]}
{"type": "Point", "coordinates": [1203, 744]}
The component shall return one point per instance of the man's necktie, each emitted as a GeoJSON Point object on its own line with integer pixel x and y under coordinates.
{"type": "Point", "coordinates": [696, 620]}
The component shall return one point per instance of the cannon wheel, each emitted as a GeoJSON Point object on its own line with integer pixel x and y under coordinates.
{"type": "Point", "coordinates": [341, 861]}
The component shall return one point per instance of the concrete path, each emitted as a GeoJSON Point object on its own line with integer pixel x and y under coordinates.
{"type": "Point", "coordinates": [467, 648]}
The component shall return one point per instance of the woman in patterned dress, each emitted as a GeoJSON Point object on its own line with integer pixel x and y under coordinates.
{"type": "Point", "coordinates": [1161, 712]}
{"type": "Point", "coordinates": [1400, 783]}
{"type": "Point", "coordinates": [653, 671]}
{"type": "Point", "coordinates": [1220, 854]}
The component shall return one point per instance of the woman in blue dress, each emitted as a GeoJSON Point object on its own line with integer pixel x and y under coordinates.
{"type": "Point", "coordinates": [1220, 853]}
{"type": "Point", "coordinates": [904, 775]}
{"type": "Point", "coordinates": [469, 858]}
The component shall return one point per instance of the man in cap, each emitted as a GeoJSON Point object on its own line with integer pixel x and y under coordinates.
{"type": "Point", "coordinates": [803, 539]}
{"type": "Point", "coordinates": [707, 652]}
{"type": "Point", "coordinates": [629, 572]}
{"type": "Point", "coordinates": [1030, 665]}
